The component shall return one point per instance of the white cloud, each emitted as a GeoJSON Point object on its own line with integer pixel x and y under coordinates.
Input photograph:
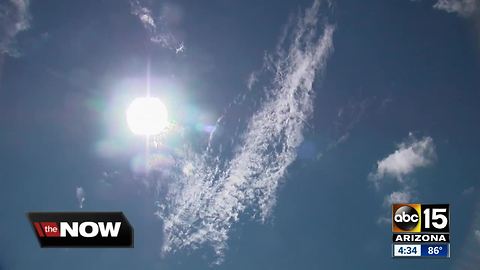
{"type": "Point", "coordinates": [80, 193]}
{"type": "Point", "coordinates": [180, 48]}
{"type": "Point", "coordinates": [477, 235]}
{"type": "Point", "coordinates": [468, 190]}
{"type": "Point", "coordinates": [202, 205]}
{"type": "Point", "coordinates": [348, 117]}
{"type": "Point", "coordinates": [384, 220]}
{"type": "Point", "coordinates": [252, 79]}
{"type": "Point", "coordinates": [409, 156]}
{"type": "Point", "coordinates": [14, 18]}
{"type": "Point", "coordinates": [404, 196]}
{"type": "Point", "coordinates": [157, 27]}
{"type": "Point", "coordinates": [398, 197]}
{"type": "Point", "coordinates": [462, 7]}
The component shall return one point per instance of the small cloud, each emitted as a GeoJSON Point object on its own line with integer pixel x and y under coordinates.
{"type": "Point", "coordinates": [468, 191]}
{"type": "Point", "coordinates": [404, 196]}
{"type": "Point", "coordinates": [342, 139]}
{"type": "Point", "coordinates": [477, 235]}
{"type": "Point", "coordinates": [144, 15]}
{"type": "Point", "coordinates": [410, 156]}
{"type": "Point", "coordinates": [147, 19]}
{"type": "Point", "coordinates": [180, 49]}
{"type": "Point", "coordinates": [464, 8]}
{"type": "Point", "coordinates": [398, 197]}
{"type": "Point", "coordinates": [252, 79]}
{"type": "Point", "coordinates": [158, 27]}
{"type": "Point", "coordinates": [14, 18]}
{"type": "Point", "coordinates": [80, 193]}
{"type": "Point", "coordinates": [348, 117]}
{"type": "Point", "coordinates": [384, 220]}
{"type": "Point", "coordinates": [385, 102]}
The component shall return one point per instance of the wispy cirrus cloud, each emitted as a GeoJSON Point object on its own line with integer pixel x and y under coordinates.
{"type": "Point", "coordinates": [157, 26]}
{"type": "Point", "coordinates": [205, 201]}
{"type": "Point", "coordinates": [14, 18]}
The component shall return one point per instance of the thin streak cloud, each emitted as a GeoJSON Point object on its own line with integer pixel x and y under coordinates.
{"type": "Point", "coordinates": [80, 194]}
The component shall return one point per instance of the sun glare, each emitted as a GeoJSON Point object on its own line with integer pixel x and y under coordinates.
{"type": "Point", "coordinates": [147, 116]}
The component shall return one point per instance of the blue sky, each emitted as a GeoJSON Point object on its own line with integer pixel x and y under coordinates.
{"type": "Point", "coordinates": [293, 127]}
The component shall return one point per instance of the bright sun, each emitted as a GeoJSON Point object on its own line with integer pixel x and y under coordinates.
{"type": "Point", "coordinates": [147, 116]}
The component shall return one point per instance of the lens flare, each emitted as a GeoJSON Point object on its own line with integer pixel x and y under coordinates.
{"type": "Point", "coordinates": [147, 116]}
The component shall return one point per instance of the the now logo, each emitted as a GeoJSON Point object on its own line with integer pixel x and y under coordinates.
{"type": "Point", "coordinates": [82, 229]}
{"type": "Point", "coordinates": [85, 229]}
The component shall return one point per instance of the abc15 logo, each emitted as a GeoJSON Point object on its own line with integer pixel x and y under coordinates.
{"type": "Point", "coordinates": [417, 218]}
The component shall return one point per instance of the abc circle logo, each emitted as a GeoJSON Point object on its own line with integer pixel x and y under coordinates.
{"type": "Point", "coordinates": [406, 218]}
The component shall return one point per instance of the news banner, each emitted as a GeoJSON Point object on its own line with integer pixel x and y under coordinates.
{"type": "Point", "coordinates": [421, 231]}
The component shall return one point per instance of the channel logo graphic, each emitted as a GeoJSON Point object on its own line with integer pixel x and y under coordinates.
{"type": "Point", "coordinates": [416, 218]}
{"type": "Point", "coordinates": [82, 229]}
{"type": "Point", "coordinates": [421, 230]}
